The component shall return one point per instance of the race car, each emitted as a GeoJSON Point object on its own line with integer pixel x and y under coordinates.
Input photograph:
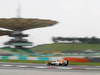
{"type": "Point", "coordinates": [58, 63]}
{"type": "Point", "coordinates": [65, 61]}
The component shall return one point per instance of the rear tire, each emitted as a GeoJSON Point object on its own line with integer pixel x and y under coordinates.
{"type": "Point", "coordinates": [66, 64]}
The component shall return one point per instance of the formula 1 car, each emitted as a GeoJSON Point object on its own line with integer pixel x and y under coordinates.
{"type": "Point", "coordinates": [58, 63]}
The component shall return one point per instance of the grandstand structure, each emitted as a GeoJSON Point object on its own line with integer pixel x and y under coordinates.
{"type": "Point", "coordinates": [16, 26]}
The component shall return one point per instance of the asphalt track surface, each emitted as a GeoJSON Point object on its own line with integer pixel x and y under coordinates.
{"type": "Point", "coordinates": [46, 72]}
{"type": "Point", "coordinates": [42, 69]}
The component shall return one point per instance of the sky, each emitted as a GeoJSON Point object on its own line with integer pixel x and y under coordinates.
{"type": "Point", "coordinates": [77, 18]}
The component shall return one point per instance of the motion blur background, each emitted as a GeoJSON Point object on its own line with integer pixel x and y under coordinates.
{"type": "Point", "coordinates": [77, 18]}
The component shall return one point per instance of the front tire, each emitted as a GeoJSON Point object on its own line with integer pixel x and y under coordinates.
{"type": "Point", "coordinates": [49, 64]}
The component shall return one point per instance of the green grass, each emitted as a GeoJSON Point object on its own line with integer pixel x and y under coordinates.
{"type": "Point", "coordinates": [45, 62]}
{"type": "Point", "coordinates": [66, 47]}
{"type": "Point", "coordinates": [54, 48]}
{"type": "Point", "coordinates": [24, 61]}
{"type": "Point", "coordinates": [88, 63]}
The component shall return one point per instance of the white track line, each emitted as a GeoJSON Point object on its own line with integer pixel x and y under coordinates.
{"type": "Point", "coordinates": [22, 66]}
{"type": "Point", "coordinates": [8, 65]}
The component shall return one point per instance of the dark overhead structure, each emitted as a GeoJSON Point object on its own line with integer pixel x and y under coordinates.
{"type": "Point", "coordinates": [5, 32]}
{"type": "Point", "coordinates": [17, 25]}
{"type": "Point", "coordinates": [24, 24]}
